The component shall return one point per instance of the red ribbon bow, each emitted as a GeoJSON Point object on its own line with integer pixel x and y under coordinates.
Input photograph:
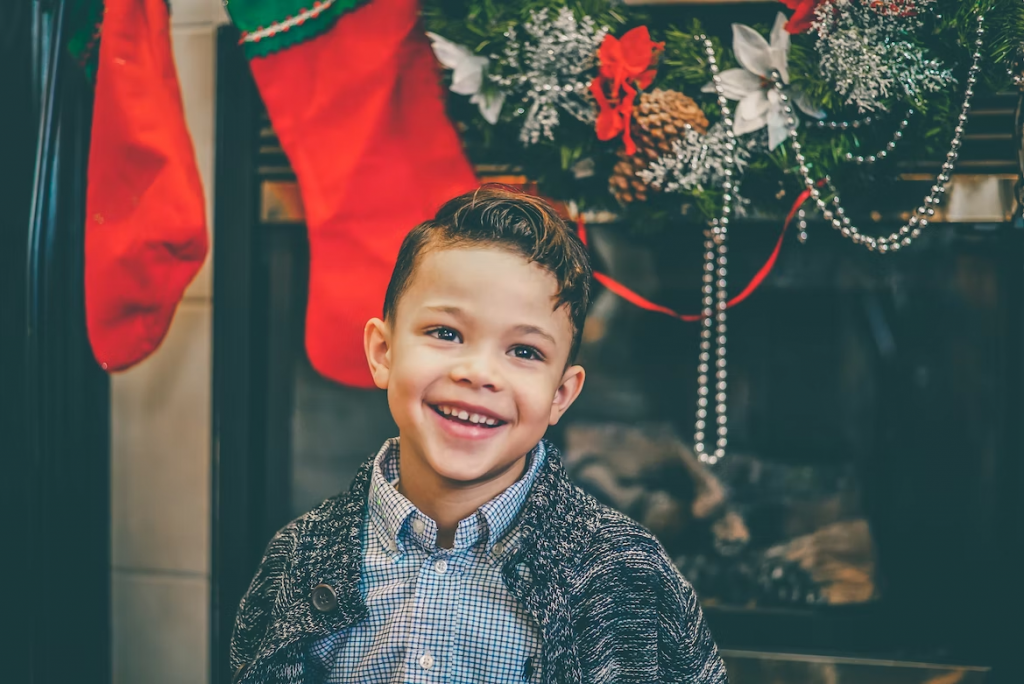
{"type": "Point", "coordinates": [626, 68]}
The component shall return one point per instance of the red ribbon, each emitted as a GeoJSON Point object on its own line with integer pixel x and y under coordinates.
{"type": "Point", "coordinates": [635, 299]}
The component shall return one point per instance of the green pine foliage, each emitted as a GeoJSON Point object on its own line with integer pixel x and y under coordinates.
{"type": "Point", "coordinates": [770, 181]}
{"type": "Point", "coordinates": [1004, 21]}
{"type": "Point", "coordinates": [481, 24]}
{"type": "Point", "coordinates": [684, 65]}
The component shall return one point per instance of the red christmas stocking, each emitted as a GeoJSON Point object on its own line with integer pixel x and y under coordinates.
{"type": "Point", "coordinates": [360, 114]}
{"type": "Point", "coordinates": [145, 233]}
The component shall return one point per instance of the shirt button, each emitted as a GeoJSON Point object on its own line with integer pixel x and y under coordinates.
{"type": "Point", "coordinates": [441, 567]}
{"type": "Point", "coordinates": [418, 526]}
{"type": "Point", "coordinates": [426, 661]}
{"type": "Point", "coordinates": [498, 549]}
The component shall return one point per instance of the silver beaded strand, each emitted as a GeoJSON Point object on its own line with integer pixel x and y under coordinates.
{"type": "Point", "coordinates": [919, 220]}
{"type": "Point", "coordinates": [889, 146]}
{"type": "Point", "coordinates": [844, 125]}
{"type": "Point", "coordinates": [715, 294]}
{"type": "Point", "coordinates": [801, 225]}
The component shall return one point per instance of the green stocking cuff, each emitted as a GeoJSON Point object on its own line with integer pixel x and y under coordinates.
{"type": "Point", "coordinates": [271, 25]}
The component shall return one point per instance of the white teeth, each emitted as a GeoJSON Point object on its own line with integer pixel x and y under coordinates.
{"type": "Point", "coordinates": [474, 418]}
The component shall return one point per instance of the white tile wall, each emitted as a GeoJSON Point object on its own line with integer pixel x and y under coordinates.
{"type": "Point", "coordinates": [201, 12]}
{"type": "Point", "coordinates": [186, 12]}
{"type": "Point", "coordinates": [160, 421]}
{"type": "Point", "coordinates": [219, 11]}
{"type": "Point", "coordinates": [194, 56]}
{"type": "Point", "coordinates": [162, 628]}
{"type": "Point", "coordinates": [160, 487]}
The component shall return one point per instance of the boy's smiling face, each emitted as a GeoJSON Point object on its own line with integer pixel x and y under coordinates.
{"type": "Point", "coordinates": [475, 363]}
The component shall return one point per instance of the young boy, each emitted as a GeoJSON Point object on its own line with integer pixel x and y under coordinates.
{"type": "Point", "coordinates": [462, 552]}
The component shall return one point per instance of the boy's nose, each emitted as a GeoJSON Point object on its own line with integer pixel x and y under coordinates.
{"type": "Point", "coordinates": [477, 370]}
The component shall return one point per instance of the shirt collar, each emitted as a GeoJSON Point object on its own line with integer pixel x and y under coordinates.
{"type": "Point", "coordinates": [395, 518]}
{"type": "Point", "coordinates": [388, 510]}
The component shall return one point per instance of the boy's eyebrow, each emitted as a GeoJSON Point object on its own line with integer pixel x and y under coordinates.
{"type": "Point", "coordinates": [452, 310]}
{"type": "Point", "coordinates": [534, 330]}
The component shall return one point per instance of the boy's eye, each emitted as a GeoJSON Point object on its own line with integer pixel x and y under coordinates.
{"type": "Point", "coordinates": [445, 334]}
{"type": "Point", "coordinates": [527, 353]}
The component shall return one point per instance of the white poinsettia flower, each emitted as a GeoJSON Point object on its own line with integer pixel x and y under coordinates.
{"type": "Point", "coordinates": [490, 105]}
{"type": "Point", "coordinates": [467, 75]}
{"type": "Point", "coordinates": [751, 86]}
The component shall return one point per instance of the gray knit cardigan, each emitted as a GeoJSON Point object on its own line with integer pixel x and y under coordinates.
{"type": "Point", "coordinates": [611, 606]}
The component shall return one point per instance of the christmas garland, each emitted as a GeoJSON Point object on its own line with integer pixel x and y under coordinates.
{"type": "Point", "coordinates": [598, 110]}
{"type": "Point", "coordinates": [601, 106]}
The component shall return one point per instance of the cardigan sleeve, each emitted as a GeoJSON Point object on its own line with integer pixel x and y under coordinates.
{"type": "Point", "coordinates": [255, 610]}
{"type": "Point", "coordinates": [686, 650]}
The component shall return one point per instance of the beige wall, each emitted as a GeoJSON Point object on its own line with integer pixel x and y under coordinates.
{"type": "Point", "coordinates": [160, 414]}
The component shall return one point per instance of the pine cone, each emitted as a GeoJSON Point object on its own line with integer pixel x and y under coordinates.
{"type": "Point", "coordinates": [659, 117]}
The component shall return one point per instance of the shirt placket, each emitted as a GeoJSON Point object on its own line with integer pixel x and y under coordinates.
{"type": "Point", "coordinates": [437, 594]}
{"type": "Point", "coordinates": [441, 594]}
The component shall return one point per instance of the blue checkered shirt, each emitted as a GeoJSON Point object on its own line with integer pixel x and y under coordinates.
{"type": "Point", "coordinates": [434, 615]}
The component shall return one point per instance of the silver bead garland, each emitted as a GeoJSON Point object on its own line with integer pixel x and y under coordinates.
{"type": "Point", "coordinates": [919, 220]}
{"type": "Point", "coordinates": [715, 298]}
{"type": "Point", "coordinates": [889, 146]}
{"type": "Point", "coordinates": [844, 125]}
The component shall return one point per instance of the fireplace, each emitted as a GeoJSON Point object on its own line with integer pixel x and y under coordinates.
{"type": "Point", "coordinates": [861, 526]}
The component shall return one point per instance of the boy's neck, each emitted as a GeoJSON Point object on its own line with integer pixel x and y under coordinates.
{"type": "Point", "coordinates": [448, 503]}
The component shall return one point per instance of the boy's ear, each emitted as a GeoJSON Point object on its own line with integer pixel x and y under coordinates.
{"type": "Point", "coordinates": [377, 344]}
{"type": "Point", "coordinates": [572, 385]}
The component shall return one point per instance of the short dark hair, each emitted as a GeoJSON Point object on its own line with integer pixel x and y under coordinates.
{"type": "Point", "coordinates": [508, 219]}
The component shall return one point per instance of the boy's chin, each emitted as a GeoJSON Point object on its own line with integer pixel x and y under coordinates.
{"type": "Point", "coordinates": [462, 468]}
{"type": "Point", "coordinates": [468, 468]}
